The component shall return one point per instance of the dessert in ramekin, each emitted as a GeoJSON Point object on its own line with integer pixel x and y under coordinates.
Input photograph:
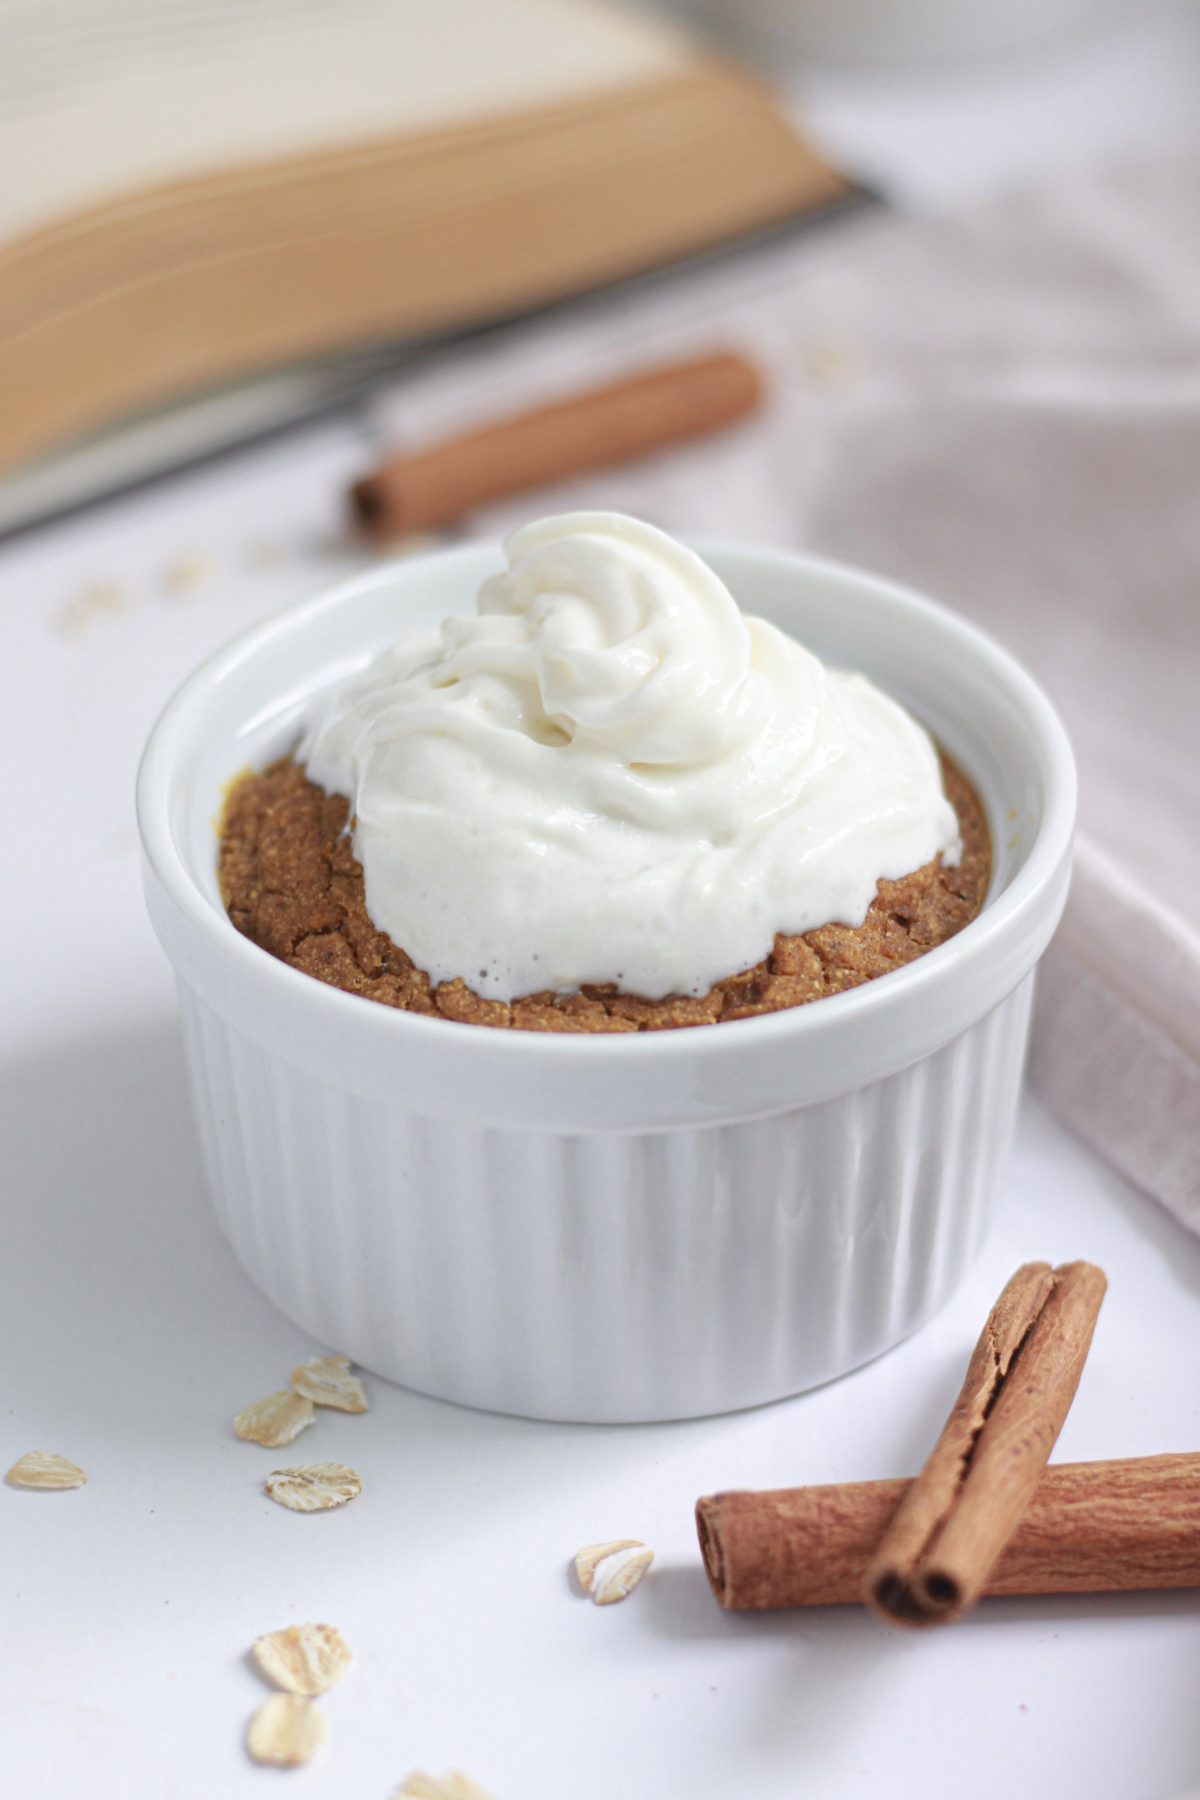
{"type": "Point", "coordinates": [604, 800]}
{"type": "Point", "coordinates": [627, 1225]}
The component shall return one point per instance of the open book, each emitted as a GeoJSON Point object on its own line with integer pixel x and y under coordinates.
{"type": "Point", "coordinates": [200, 194]}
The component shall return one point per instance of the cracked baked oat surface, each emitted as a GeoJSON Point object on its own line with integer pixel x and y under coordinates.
{"type": "Point", "coordinates": [292, 884]}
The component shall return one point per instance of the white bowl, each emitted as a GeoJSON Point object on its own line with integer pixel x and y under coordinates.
{"type": "Point", "coordinates": [650, 1226]}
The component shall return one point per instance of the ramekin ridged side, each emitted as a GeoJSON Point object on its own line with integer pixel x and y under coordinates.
{"type": "Point", "coordinates": [608, 1276]}
{"type": "Point", "coordinates": [626, 1228]}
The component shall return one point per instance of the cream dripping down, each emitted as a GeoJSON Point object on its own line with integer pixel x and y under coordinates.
{"type": "Point", "coordinates": [608, 773]}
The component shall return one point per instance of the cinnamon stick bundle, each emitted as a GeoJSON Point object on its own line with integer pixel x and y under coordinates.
{"type": "Point", "coordinates": [923, 1551]}
{"type": "Point", "coordinates": [1091, 1528]}
{"type": "Point", "coordinates": [961, 1511]}
{"type": "Point", "coordinates": [592, 430]}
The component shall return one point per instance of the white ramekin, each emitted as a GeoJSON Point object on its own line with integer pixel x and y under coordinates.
{"type": "Point", "coordinates": [611, 1228]}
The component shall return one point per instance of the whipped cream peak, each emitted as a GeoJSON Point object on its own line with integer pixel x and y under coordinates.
{"type": "Point", "coordinates": [609, 773]}
{"type": "Point", "coordinates": [635, 645]}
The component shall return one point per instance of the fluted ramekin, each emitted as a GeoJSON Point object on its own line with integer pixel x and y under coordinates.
{"type": "Point", "coordinates": [650, 1226]}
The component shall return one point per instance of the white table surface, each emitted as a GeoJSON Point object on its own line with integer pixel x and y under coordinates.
{"type": "Point", "coordinates": [128, 1336]}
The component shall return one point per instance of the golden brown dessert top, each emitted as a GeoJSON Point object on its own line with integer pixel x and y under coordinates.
{"type": "Point", "coordinates": [292, 884]}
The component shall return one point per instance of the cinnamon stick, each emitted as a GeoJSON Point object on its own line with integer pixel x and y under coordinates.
{"type": "Point", "coordinates": [1091, 1528]}
{"type": "Point", "coordinates": [968, 1500]}
{"type": "Point", "coordinates": [592, 430]}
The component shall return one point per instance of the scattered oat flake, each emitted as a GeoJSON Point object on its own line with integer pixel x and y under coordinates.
{"type": "Point", "coordinates": [276, 1420]}
{"type": "Point", "coordinates": [185, 573]}
{"type": "Point", "coordinates": [42, 1469]}
{"type": "Point", "coordinates": [327, 1381]}
{"type": "Point", "coordinates": [609, 1572]}
{"type": "Point", "coordinates": [303, 1659]}
{"type": "Point", "coordinates": [314, 1488]}
{"type": "Point", "coordinates": [285, 1731]}
{"type": "Point", "coordinates": [100, 597]}
{"type": "Point", "coordinates": [95, 600]}
{"type": "Point", "coordinates": [454, 1785]}
{"type": "Point", "coordinates": [831, 361]}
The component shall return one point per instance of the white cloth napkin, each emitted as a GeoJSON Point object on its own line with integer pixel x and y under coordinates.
{"type": "Point", "coordinates": [1003, 409]}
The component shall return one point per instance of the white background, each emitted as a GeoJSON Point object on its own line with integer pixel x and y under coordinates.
{"type": "Point", "coordinates": [128, 1337]}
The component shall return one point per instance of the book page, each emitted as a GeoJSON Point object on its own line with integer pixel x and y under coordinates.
{"type": "Point", "coordinates": [100, 98]}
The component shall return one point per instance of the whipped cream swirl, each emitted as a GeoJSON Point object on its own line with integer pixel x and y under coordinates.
{"type": "Point", "coordinates": [607, 773]}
